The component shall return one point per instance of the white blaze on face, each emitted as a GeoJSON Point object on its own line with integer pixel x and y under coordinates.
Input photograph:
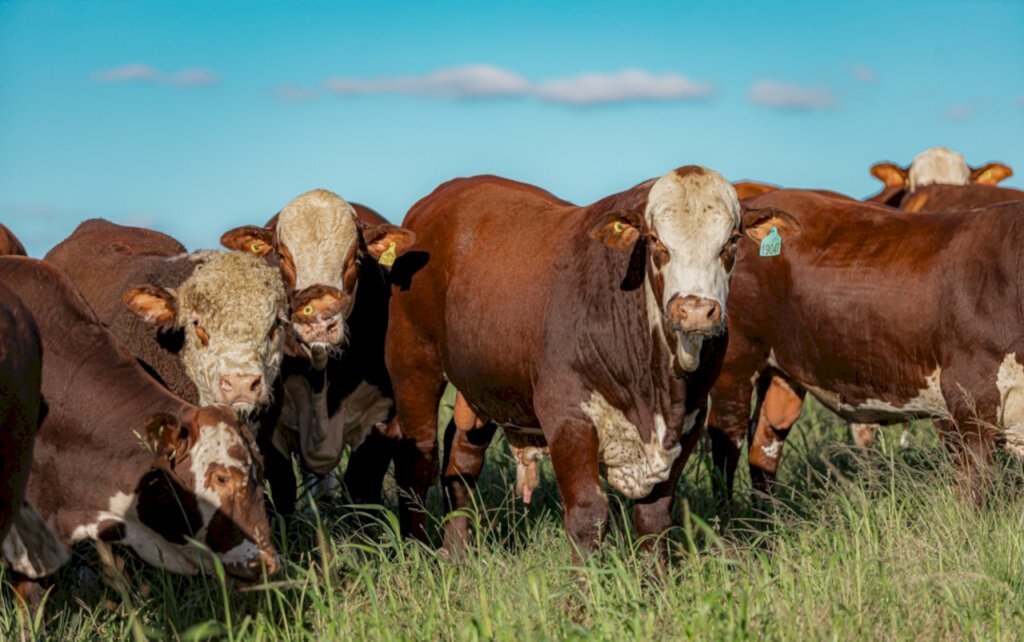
{"type": "Point", "coordinates": [938, 165]}
{"type": "Point", "coordinates": [319, 230]}
{"type": "Point", "coordinates": [213, 449]}
{"type": "Point", "coordinates": [693, 216]}
{"type": "Point", "coordinates": [237, 301]}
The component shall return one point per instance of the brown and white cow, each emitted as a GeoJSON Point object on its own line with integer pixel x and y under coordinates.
{"type": "Point", "coordinates": [596, 329]}
{"type": "Point", "coordinates": [206, 324]}
{"type": "Point", "coordinates": [118, 458]}
{"type": "Point", "coordinates": [334, 257]}
{"type": "Point", "coordinates": [935, 329]}
{"type": "Point", "coordinates": [935, 166]}
{"type": "Point", "coordinates": [9, 243]}
{"type": "Point", "coordinates": [25, 536]}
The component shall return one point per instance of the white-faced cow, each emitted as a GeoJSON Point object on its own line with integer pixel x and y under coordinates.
{"type": "Point", "coordinates": [334, 258]}
{"type": "Point", "coordinates": [119, 458]}
{"type": "Point", "coordinates": [206, 324]}
{"type": "Point", "coordinates": [596, 330]}
{"type": "Point", "coordinates": [935, 166]}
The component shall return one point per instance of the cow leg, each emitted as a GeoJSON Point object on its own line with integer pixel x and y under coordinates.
{"type": "Point", "coordinates": [574, 457]}
{"type": "Point", "coordinates": [972, 451]}
{"type": "Point", "coordinates": [863, 434]}
{"type": "Point", "coordinates": [780, 408]}
{"type": "Point", "coordinates": [278, 471]}
{"type": "Point", "coordinates": [418, 392]}
{"type": "Point", "coordinates": [652, 515]}
{"type": "Point", "coordinates": [465, 451]}
{"type": "Point", "coordinates": [367, 467]}
{"type": "Point", "coordinates": [729, 417]}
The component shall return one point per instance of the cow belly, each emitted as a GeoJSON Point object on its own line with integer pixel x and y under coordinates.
{"type": "Point", "coordinates": [927, 403]}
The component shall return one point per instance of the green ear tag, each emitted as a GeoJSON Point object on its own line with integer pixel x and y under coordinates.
{"type": "Point", "coordinates": [771, 245]}
{"type": "Point", "coordinates": [387, 258]}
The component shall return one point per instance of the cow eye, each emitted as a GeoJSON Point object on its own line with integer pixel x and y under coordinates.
{"type": "Point", "coordinates": [222, 479]}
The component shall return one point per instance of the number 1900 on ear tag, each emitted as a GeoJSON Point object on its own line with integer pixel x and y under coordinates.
{"type": "Point", "coordinates": [771, 245]}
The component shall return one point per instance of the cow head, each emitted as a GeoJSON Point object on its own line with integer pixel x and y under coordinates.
{"type": "Point", "coordinates": [939, 165]}
{"type": "Point", "coordinates": [686, 238]}
{"type": "Point", "coordinates": [319, 245]}
{"type": "Point", "coordinates": [230, 309]}
{"type": "Point", "coordinates": [206, 484]}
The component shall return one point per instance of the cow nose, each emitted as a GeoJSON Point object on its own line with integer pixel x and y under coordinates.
{"type": "Point", "coordinates": [240, 388]}
{"type": "Point", "coordinates": [694, 314]}
{"type": "Point", "coordinates": [269, 561]}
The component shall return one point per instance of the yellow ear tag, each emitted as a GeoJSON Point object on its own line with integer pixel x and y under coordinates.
{"type": "Point", "coordinates": [256, 247]}
{"type": "Point", "coordinates": [308, 310]}
{"type": "Point", "coordinates": [387, 259]}
{"type": "Point", "coordinates": [618, 227]}
{"type": "Point", "coordinates": [987, 176]}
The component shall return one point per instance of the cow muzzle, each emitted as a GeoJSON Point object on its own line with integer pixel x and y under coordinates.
{"type": "Point", "coordinates": [252, 570]}
{"type": "Point", "coordinates": [694, 315]}
{"type": "Point", "coordinates": [318, 318]}
{"type": "Point", "coordinates": [241, 391]}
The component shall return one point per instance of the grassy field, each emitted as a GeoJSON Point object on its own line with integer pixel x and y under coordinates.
{"type": "Point", "coordinates": [862, 545]}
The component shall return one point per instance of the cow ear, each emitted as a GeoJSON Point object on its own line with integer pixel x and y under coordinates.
{"type": "Point", "coordinates": [249, 238]}
{"type": "Point", "coordinates": [153, 305]}
{"type": "Point", "coordinates": [991, 174]}
{"type": "Point", "coordinates": [618, 229]}
{"type": "Point", "coordinates": [889, 173]}
{"type": "Point", "coordinates": [758, 223]}
{"type": "Point", "coordinates": [165, 434]}
{"type": "Point", "coordinates": [746, 189]}
{"type": "Point", "coordinates": [386, 242]}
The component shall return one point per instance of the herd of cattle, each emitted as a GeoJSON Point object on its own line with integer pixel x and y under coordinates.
{"type": "Point", "coordinates": [147, 393]}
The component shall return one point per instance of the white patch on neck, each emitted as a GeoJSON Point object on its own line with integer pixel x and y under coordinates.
{"type": "Point", "coordinates": [633, 467]}
{"type": "Point", "coordinates": [938, 165]}
{"type": "Point", "coordinates": [319, 229]}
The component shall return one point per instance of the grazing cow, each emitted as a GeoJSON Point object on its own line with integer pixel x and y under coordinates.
{"type": "Point", "coordinates": [936, 334]}
{"type": "Point", "coordinates": [596, 329]}
{"type": "Point", "coordinates": [119, 458]}
{"type": "Point", "coordinates": [9, 243]}
{"type": "Point", "coordinates": [205, 324]}
{"type": "Point", "coordinates": [25, 536]}
{"type": "Point", "coordinates": [935, 166]}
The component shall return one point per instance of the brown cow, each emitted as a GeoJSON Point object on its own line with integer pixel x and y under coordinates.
{"type": "Point", "coordinates": [24, 534]}
{"type": "Point", "coordinates": [118, 458]}
{"type": "Point", "coordinates": [9, 243]}
{"type": "Point", "coordinates": [746, 189]}
{"type": "Point", "coordinates": [597, 329]}
{"type": "Point", "coordinates": [935, 166]}
{"type": "Point", "coordinates": [206, 324]}
{"type": "Point", "coordinates": [334, 258]}
{"type": "Point", "coordinates": [935, 334]}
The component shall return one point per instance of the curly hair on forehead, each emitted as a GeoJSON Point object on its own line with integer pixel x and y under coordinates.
{"type": "Point", "coordinates": [232, 287]}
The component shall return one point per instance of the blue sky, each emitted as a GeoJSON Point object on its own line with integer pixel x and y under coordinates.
{"type": "Point", "coordinates": [193, 117]}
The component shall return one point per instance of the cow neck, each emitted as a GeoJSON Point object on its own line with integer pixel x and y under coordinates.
{"type": "Point", "coordinates": [626, 342]}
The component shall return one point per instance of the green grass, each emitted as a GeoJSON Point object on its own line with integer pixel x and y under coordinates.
{"type": "Point", "coordinates": [862, 545]}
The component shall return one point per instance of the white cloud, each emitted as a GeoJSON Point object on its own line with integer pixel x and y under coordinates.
{"type": "Point", "coordinates": [625, 86]}
{"type": "Point", "coordinates": [782, 95]}
{"type": "Point", "coordinates": [138, 72]}
{"type": "Point", "coordinates": [958, 112]}
{"type": "Point", "coordinates": [473, 81]}
{"type": "Point", "coordinates": [135, 72]}
{"type": "Point", "coordinates": [863, 74]}
{"type": "Point", "coordinates": [487, 81]}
